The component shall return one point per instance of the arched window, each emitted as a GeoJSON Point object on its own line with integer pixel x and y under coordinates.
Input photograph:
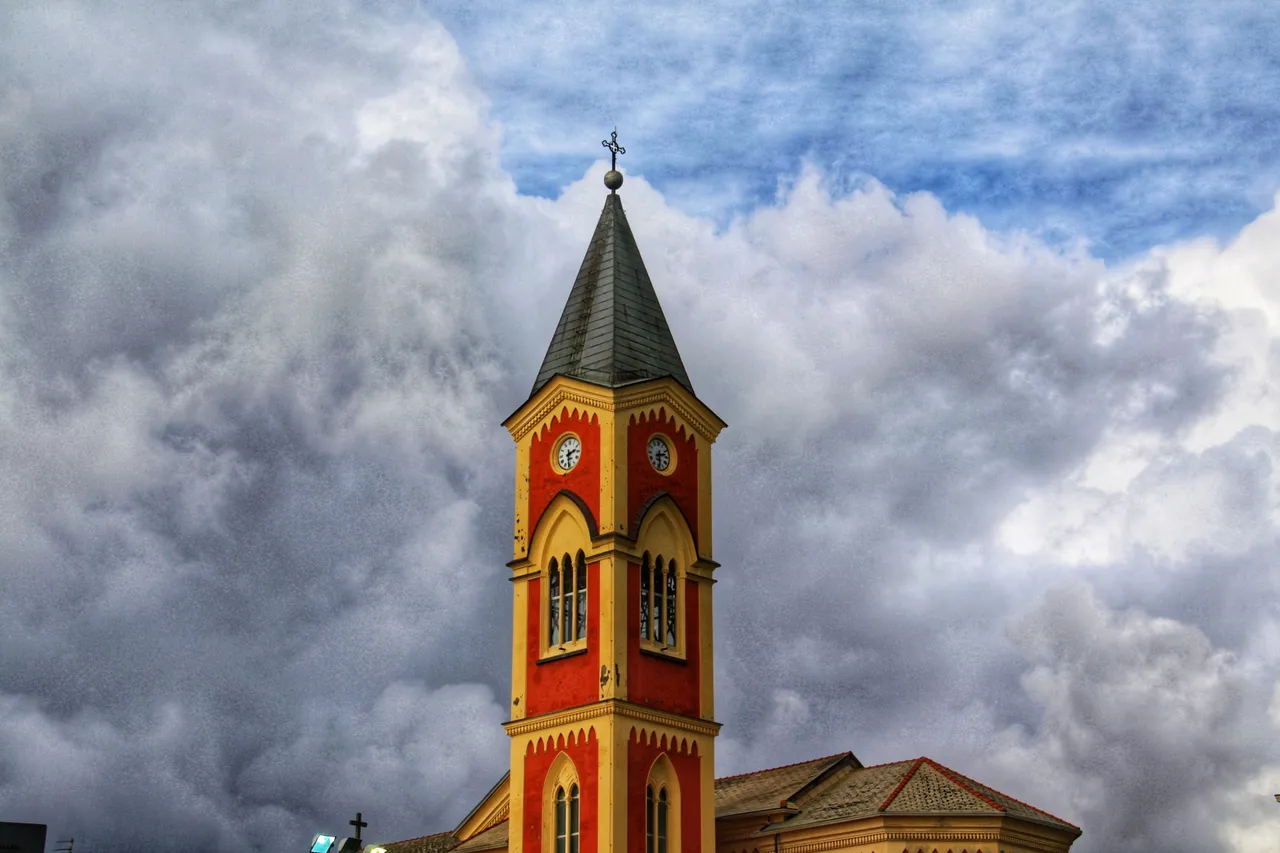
{"type": "Point", "coordinates": [659, 601]}
{"type": "Point", "coordinates": [655, 820]}
{"type": "Point", "coordinates": [662, 808]}
{"type": "Point", "coordinates": [567, 820]}
{"type": "Point", "coordinates": [561, 807]}
{"type": "Point", "coordinates": [566, 600]}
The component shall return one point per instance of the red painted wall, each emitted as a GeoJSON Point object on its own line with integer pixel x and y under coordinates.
{"type": "Point", "coordinates": [640, 757]}
{"type": "Point", "coordinates": [656, 681]}
{"type": "Point", "coordinates": [552, 685]}
{"type": "Point", "coordinates": [585, 755]}
{"type": "Point", "coordinates": [584, 480]}
{"type": "Point", "coordinates": [643, 481]}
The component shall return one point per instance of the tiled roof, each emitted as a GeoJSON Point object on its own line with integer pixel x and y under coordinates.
{"type": "Point", "coordinates": [612, 331]}
{"type": "Point", "coordinates": [924, 789]}
{"type": "Point", "coordinates": [820, 791]}
{"type": "Point", "coordinates": [493, 837]}
{"type": "Point", "coordinates": [766, 789]}
{"type": "Point", "coordinates": [1006, 802]}
{"type": "Point", "coordinates": [921, 786]}
{"type": "Point", "coordinates": [438, 843]}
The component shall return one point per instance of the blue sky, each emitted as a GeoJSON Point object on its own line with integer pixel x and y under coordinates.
{"type": "Point", "coordinates": [1126, 125]}
{"type": "Point", "coordinates": [986, 293]}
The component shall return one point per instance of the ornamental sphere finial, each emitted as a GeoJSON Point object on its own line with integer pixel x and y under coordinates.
{"type": "Point", "coordinates": [613, 179]}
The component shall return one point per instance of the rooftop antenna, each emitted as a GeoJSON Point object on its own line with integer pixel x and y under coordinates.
{"type": "Point", "coordinates": [70, 842]}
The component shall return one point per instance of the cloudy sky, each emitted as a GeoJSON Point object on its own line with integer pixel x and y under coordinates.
{"type": "Point", "coordinates": [988, 293]}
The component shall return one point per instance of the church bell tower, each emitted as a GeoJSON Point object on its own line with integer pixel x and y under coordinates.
{"type": "Point", "coordinates": [612, 708]}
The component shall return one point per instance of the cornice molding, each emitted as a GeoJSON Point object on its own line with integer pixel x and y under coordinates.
{"type": "Point", "coordinates": [610, 545]}
{"type": "Point", "coordinates": [1029, 840]}
{"type": "Point", "coordinates": [501, 813]}
{"type": "Point", "coordinates": [561, 391]}
{"type": "Point", "coordinates": [612, 707]}
{"type": "Point", "coordinates": [882, 835]}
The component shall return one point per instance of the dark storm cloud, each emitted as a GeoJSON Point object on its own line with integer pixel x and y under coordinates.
{"type": "Point", "coordinates": [247, 411]}
{"type": "Point", "coordinates": [266, 294]}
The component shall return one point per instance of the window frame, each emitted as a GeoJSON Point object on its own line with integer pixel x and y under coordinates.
{"type": "Point", "coordinates": [572, 604]}
{"type": "Point", "coordinates": [664, 531]}
{"type": "Point", "coordinates": [656, 604]}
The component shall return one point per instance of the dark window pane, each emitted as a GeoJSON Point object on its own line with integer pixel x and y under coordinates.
{"type": "Point", "coordinates": [573, 820]}
{"type": "Point", "coordinates": [644, 598]}
{"type": "Point", "coordinates": [662, 822]}
{"type": "Point", "coordinates": [553, 604]}
{"type": "Point", "coordinates": [582, 596]}
{"type": "Point", "coordinates": [671, 604]}
{"type": "Point", "coordinates": [566, 603]}
{"type": "Point", "coordinates": [561, 835]}
{"type": "Point", "coordinates": [659, 587]}
{"type": "Point", "coordinates": [648, 827]}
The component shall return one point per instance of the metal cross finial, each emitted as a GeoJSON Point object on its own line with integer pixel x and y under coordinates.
{"type": "Point", "coordinates": [614, 148]}
{"type": "Point", "coordinates": [357, 823]}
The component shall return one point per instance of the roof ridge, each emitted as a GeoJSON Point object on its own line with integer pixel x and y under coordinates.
{"type": "Point", "coordinates": [1003, 794]}
{"type": "Point", "coordinates": [794, 763]}
{"type": "Point", "coordinates": [885, 764]}
{"type": "Point", "coordinates": [421, 837]}
{"type": "Point", "coordinates": [784, 766]}
{"type": "Point", "coordinates": [952, 775]}
{"type": "Point", "coordinates": [902, 783]}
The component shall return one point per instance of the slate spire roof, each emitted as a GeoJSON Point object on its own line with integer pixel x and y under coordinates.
{"type": "Point", "coordinates": [612, 331]}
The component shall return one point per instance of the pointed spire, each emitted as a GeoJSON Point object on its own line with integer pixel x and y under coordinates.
{"type": "Point", "coordinates": [612, 331]}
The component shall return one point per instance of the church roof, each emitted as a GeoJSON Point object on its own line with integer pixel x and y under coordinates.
{"type": "Point", "coordinates": [438, 843]}
{"type": "Point", "coordinates": [766, 790]}
{"type": "Point", "coordinates": [612, 331]}
{"type": "Point", "coordinates": [920, 786]}
{"type": "Point", "coordinates": [827, 790]}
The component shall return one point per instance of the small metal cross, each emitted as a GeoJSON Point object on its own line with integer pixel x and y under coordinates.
{"type": "Point", "coordinates": [614, 148]}
{"type": "Point", "coordinates": [357, 823]}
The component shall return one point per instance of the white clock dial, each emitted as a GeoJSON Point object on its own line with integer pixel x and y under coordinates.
{"type": "Point", "coordinates": [570, 452]}
{"type": "Point", "coordinates": [659, 453]}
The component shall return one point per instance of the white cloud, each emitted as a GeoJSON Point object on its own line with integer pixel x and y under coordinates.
{"type": "Point", "coordinates": [1146, 728]}
{"type": "Point", "coordinates": [263, 314]}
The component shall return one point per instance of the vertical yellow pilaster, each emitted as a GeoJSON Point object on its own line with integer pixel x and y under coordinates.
{"type": "Point", "coordinates": [521, 531]}
{"type": "Point", "coordinates": [515, 795]}
{"type": "Point", "coordinates": [609, 648]}
{"type": "Point", "coordinates": [608, 472]}
{"type": "Point", "coordinates": [617, 832]}
{"type": "Point", "coordinates": [606, 773]}
{"type": "Point", "coordinates": [704, 497]}
{"type": "Point", "coordinates": [706, 652]}
{"type": "Point", "coordinates": [707, 767]}
{"type": "Point", "coordinates": [618, 441]}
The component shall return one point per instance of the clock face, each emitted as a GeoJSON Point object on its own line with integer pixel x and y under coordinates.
{"type": "Point", "coordinates": [570, 452]}
{"type": "Point", "coordinates": [659, 453]}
